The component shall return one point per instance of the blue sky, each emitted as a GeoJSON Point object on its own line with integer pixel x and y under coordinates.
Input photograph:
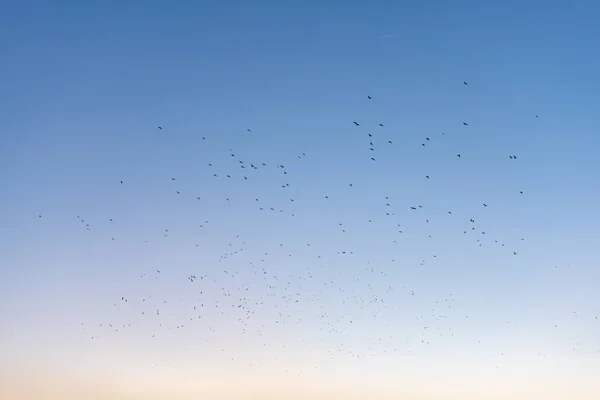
{"type": "Point", "coordinates": [85, 86]}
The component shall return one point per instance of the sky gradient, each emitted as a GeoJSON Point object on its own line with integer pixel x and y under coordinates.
{"type": "Point", "coordinates": [322, 297]}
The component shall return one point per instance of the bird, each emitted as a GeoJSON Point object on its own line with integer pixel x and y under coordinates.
{"type": "Point", "coordinates": [160, 128]}
{"type": "Point", "coordinates": [465, 83]}
{"type": "Point", "coordinates": [465, 124]}
{"type": "Point", "coordinates": [356, 123]}
{"type": "Point", "coordinates": [369, 97]}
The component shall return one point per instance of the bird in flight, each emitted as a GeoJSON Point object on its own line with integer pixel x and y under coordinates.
{"type": "Point", "coordinates": [356, 123]}
{"type": "Point", "coordinates": [369, 97]}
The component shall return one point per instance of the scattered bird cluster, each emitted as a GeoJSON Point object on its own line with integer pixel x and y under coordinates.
{"type": "Point", "coordinates": [253, 286]}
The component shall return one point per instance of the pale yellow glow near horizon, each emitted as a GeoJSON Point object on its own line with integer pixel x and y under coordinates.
{"type": "Point", "coordinates": [38, 384]}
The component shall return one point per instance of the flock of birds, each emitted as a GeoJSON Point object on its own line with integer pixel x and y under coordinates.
{"type": "Point", "coordinates": [254, 291]}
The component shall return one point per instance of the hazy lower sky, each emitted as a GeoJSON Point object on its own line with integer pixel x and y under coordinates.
{"type": "Point", "coordinates": [291, 263]}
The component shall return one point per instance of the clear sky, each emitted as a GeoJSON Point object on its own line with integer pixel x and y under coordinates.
{"type": "Point", "coordinates": [300, 269]}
